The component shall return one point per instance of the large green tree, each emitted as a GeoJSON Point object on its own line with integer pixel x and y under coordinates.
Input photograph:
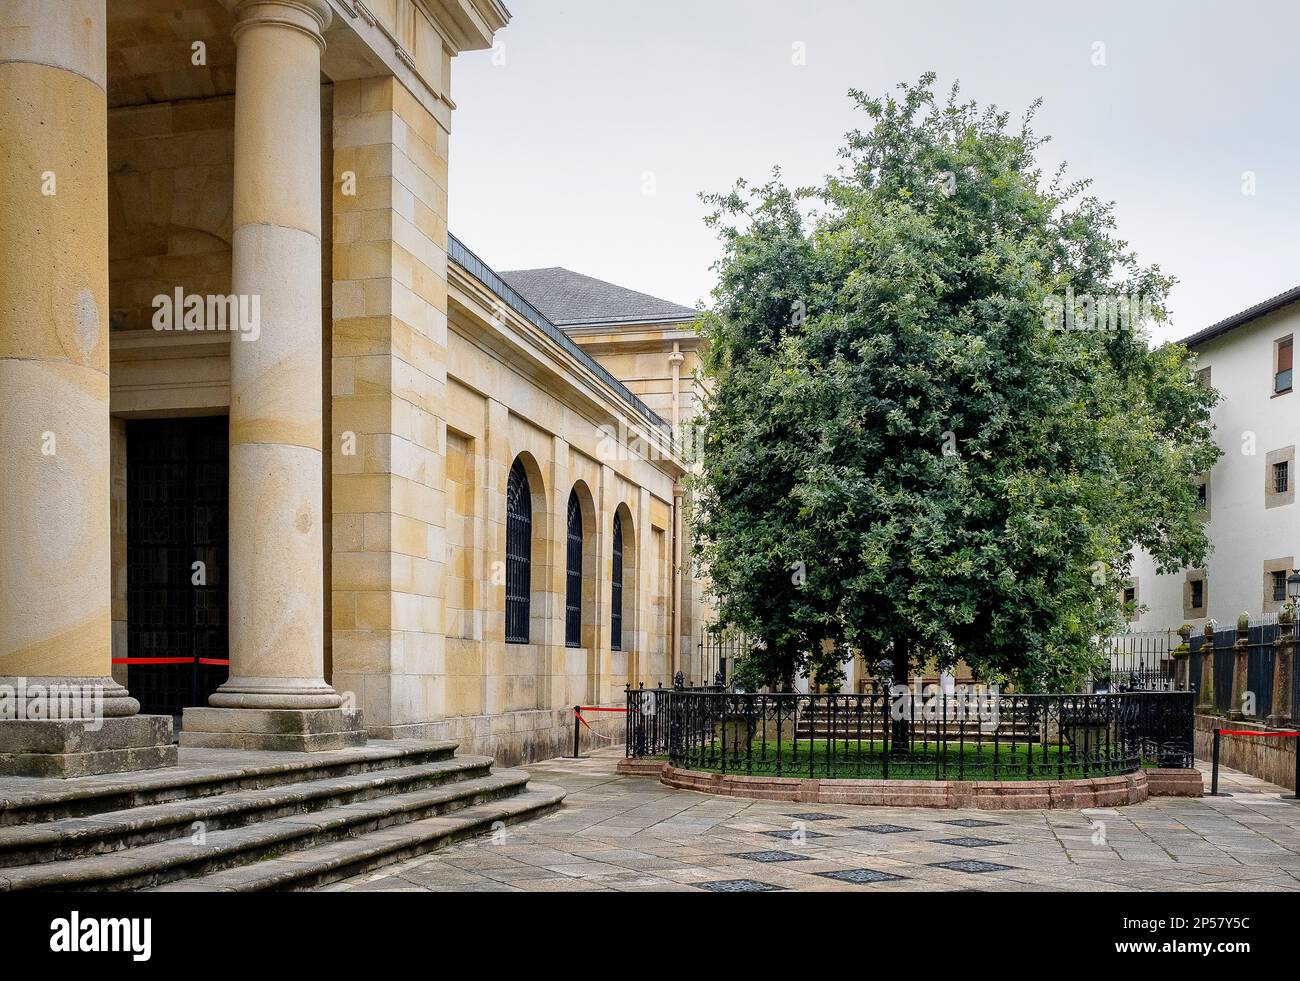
{"type": "Point", "coordinates": [918, 446]}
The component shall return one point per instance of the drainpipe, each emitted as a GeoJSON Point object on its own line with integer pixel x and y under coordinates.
{"type": "Point", "coordinates": [675, 359]}
{"type": "Point", "coordinates": [678, 491]}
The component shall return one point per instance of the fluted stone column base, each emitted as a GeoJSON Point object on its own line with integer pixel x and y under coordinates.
{"type": "Point", "coordinates": [291, 730]}
{"type": "Point", "coordinates": [83, 748]}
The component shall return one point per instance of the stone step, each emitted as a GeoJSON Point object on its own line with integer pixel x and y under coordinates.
{"type": "Point", "coordinates": [322, 864]}
{"type": "Point", "coordinates": [179, 858]}
{"type": "Point", "coordinates": [111, 831]}
{"type": "Point", "coordinates": [203, 773]}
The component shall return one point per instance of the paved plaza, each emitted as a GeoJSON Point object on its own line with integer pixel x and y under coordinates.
{"type": "Point", "coordinates": [631, 834]}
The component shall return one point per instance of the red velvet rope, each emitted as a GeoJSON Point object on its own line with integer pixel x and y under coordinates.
{"type": "Point", "coordinates": [1251, 732]}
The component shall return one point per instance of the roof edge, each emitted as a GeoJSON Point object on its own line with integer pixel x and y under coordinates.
{"type": "Point", "coordinates": [1262, 309]}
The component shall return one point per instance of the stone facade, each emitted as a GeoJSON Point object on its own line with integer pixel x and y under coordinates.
{"type": "Point", "coordinates": [297, 152]}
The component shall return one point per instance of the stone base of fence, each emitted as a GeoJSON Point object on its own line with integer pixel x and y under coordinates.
{"type": "Point", "coordinates": [1269, 759]}
{"type": "Point", "coordinates": [1175, 783]}
{"type": "Point", "coordinates": [1132, 788]}
{"type": "Point", "coordinates": [643, 767]}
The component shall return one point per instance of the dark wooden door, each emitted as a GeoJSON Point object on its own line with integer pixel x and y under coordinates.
{"type": "Point", "coordinates": [176, 488]}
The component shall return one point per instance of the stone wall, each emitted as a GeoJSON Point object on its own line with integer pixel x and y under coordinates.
{"type": "Point", "coordinates": [423, 420]}
{"type": "Point", "coordinates": [1271, 759]}
{"type": "Point", "coordinates": [170, 199]}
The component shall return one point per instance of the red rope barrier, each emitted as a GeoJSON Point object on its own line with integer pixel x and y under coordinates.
{"type": "Point", "coordinates": [1284, 734]}
{"type": "Point", "coordinates": [1252, 732]}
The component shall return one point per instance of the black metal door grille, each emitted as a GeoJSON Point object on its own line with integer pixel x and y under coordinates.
{"type": "Point", "coordinates": [616, 589]}
{"type": "Point", "coordinates": [519, 555]}
{"type": "Point", "coordinates": [177, 474]}
{"type": "Point", "coordinates": [573, 581]}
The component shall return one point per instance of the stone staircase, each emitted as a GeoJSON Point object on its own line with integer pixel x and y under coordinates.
{"type": "Point", "coordinates": [244, 821]}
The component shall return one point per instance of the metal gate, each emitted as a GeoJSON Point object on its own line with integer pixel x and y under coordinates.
{"type": "Point", "coordinates": [176, 490]}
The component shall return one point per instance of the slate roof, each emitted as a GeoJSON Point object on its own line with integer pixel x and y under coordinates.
{"type": "Point", "coordinates": [570, 299]}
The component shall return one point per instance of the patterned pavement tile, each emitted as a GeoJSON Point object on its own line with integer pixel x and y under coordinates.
{"type": "Point", "coordinates": [794, 835]}
{"type": "Point", "coordinates": [975, 823]}
{"type": "Point", "coordinates": [624, 834]}
{"type": "Point", "coordinates": [777, 856]}
{"type": "Point", "coordinates": [971, 865]}
{"type": "Point", "coordinates": [738, 885]}
{"type": "Point", "coordinates": [859, 876]}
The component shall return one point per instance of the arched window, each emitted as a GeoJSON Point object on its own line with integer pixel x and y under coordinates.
{"type": "Point", "coordinates": [573, 584]}
{"type": "Point", "coordinates": [616, 591]}
{"type": "Point", "coordinates": [519, 554]}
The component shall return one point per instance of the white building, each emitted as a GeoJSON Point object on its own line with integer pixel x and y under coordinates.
{"type": "Point", "coordinates": [1250, 510]}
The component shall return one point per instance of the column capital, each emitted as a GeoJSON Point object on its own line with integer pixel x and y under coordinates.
{"type": "Point", "coordinates": [311, 17]}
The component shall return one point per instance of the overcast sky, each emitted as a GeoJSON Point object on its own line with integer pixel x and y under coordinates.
{"type": "Point", "coordinates": [587, 143]}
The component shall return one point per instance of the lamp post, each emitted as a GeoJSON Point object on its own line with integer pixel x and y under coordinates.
{"type": "Point", "coordinates": [1293, 587]}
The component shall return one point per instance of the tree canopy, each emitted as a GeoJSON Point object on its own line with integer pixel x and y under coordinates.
{"type": "Point", "coordinates": [936, 426]}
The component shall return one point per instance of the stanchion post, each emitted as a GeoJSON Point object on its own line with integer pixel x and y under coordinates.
{"type": "Point", "coordinates": [577, 721]}
{"type": "Point", "coordinates": [1296, 794]}
{"type": "Point", "coordinates": [1214, 777]}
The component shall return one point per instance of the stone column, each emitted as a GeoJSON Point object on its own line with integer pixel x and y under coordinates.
{"type": "Point", "coordinates": [1206, 702]}
{"type": "Point", "coordinates": [277, 697]}
{"type": "Point", "coordinates": [61, 714]}
{"type": "Point", "coordinates": [1240, 666]}
{"type": "Point", "coordinates": [1284, 645]}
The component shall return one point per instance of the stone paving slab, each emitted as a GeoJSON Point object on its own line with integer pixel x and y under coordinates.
{"type": "Point", "coordinates": [632, 834]}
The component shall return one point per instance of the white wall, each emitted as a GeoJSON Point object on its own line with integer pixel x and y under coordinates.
{"type": "Point", "coordinates": [1245, 533]}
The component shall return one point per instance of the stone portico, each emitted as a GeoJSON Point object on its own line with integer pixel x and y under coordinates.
{"type": "Point", "coordinates": [283, 164]}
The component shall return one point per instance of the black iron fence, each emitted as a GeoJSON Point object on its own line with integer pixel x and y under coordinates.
{"type": "Point", "coordinates": [649, 718]}
{"type": "Point", "coordinates": [1259, 666]}
{"type": "Point", "coordinates": [1139, 661]}
{"type": "Point", "coordinates": [716, 654]}
{"type": "Point", "coordinates": [966, 735]}
{"type": "Point", "coordinates": [1260, 641]}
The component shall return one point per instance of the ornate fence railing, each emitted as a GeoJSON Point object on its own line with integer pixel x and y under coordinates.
{"type": "Point", "coordinates": [1140, 661]}
{"type": "Point", "coordinates": [984, 736]}
{"type": "Point", "coordinates": [649, 718]}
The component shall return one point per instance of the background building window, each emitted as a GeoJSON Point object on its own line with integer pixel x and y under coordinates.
{"type": "Point", "coordinates": [1203, 495]}
{"type": "Point", "coordinates": [519, 554]}
{"type": "Point", "coordinates": [1279, 586]}
{"type": "Point", "coordinates": [1198, 594]}
{"type": "Point", "coordinates": [573, 579]}
{"type": "Point", "coordinates": [1281, 477]}
{"type": "Point", "coordinates": [616, 590]}
{"type": "Point", "coordinates": [1282, 365]}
